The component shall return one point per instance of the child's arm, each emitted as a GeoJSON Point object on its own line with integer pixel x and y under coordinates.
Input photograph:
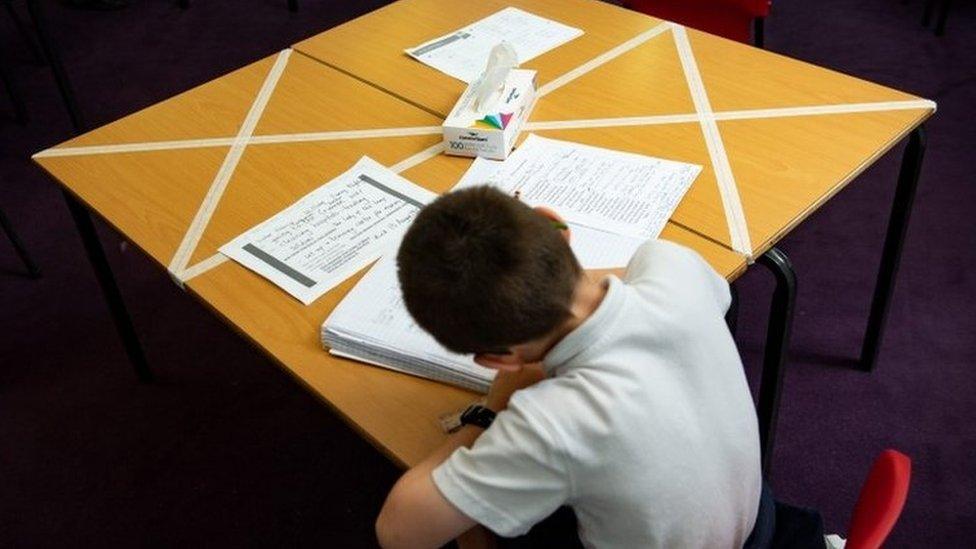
{"type": "Point", "coordinates": [415, 513]}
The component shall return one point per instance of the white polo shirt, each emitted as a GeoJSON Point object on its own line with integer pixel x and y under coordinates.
{"type": "Point", "coordinates": [646, 426]}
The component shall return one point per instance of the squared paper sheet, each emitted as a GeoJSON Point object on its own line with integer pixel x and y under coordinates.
{"type": "Point", "coordinates": [332, 232]}
{"type": "Point", "coordinates": [464, 53]}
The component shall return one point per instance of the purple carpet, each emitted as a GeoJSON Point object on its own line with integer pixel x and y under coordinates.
{"type": "Point", "coordinates": [226, 449]}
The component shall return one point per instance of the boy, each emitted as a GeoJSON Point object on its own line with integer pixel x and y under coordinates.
{"type": "Point", "coordinates": [624, 399]}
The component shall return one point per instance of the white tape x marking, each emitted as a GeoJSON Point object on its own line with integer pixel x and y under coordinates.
{"type": "Point", "coordinates": [703, 115]}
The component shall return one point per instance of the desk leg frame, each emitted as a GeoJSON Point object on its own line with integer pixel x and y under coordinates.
{"type": "Point", "coordinates": [777, 346]}
{"type": "Point", "coordinates": [18, 245]}
{"type": "Point", "coordinates": [901, 209]}
{"type": "Point", "coordinates": [103, 272]}
{"type": "Point", "coordinates": [54, 59]}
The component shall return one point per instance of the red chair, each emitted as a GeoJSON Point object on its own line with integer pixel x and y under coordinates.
{"type": "Point", "coordinates": [729, 18]}
{"type": "Point", "coordinates": [881, 501]}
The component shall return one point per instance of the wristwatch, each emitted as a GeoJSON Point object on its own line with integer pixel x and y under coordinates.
{"type": "Point", "coordinates": [477, 415]}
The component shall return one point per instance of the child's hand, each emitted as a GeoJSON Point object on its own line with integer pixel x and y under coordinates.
{"type": "Point", "coordinates": [507, 382]}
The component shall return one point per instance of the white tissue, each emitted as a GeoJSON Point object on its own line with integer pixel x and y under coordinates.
{"type": "Point", "coordinates": [492, 81]}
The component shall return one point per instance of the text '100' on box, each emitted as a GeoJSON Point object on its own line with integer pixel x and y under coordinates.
{"type": "Point", "coordinates": [490, 131]}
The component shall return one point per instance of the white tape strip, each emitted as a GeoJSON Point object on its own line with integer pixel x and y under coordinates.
{"type": "Point", "coordinates": [136, 147]}
{"type": "Point", "coordinates": [209, 204]}
{"type": "Point", "coordinates": [227, 141]}
{"type": "Point", "coordinates": [530, 126]}
{"type": "Point", "coordinates": [424, 155]}
{"type": "Point", "coordinates": [747, 114]}
{"type": "Point", "coordinates": [345, 134]}
{"type": "Point", "coordinates": [734, 215]}
{"type": "Point", "coordinates": [203, 266]}
{"type": "Point", "coordinates": [815, 110]}
{"type": "Point", "coordinates": [601, 59]}
{"type": "Point", "coordinates": [612, 122]}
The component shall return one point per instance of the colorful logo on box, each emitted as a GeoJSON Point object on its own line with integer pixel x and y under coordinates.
{"type": "Point", "coordinates": [494, 121]}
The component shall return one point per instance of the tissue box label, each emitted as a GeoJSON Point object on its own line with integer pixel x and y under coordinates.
{"type": "Point", "coordinates": [492, 133]}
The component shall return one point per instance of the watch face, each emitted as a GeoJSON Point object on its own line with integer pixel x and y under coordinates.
{"type": "Point", "coordinates": [477, 415]}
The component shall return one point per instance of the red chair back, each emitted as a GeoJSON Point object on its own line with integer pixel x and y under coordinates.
{"type": "Point", "coordinates": [881, 501]}
{"type": "Point", "coordinates": [728, 18]}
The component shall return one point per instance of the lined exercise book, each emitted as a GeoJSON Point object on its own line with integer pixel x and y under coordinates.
{"type": "Point", "coordinates": [372, 325]}
{"type": "Point", "coordinates": [612, 201]}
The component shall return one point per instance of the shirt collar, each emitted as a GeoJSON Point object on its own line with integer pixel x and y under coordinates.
{"type": "Point", "coordinates": [590, 331]}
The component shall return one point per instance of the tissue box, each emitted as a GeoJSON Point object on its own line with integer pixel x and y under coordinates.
{"type": "Point", "coordinates": [491, 134]}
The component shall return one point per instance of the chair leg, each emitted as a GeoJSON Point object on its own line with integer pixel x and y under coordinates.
{"type": "Point", "coordinates": [16, 99]}
{"type": "Point", "coordinates": [927, 12]}
{"type": "Point", "coordinates": [293, 6]}
{"type": "Point", "coordinates": [943, 15]}
{"type": "Point", "coordinates": [759, 32]}
{"type": "Point", "coordinates": [25, 33]}
{"type": "Point", "coordinates": [60, 76]}
{"type": "Point", "coordinates": [777, 346]}
{"type": "Point", "coordinates": [8, 229]}
{"type": "Point", "coordinates": [184, 4]}
{"type": "Point", "coordinates": [901, 209]}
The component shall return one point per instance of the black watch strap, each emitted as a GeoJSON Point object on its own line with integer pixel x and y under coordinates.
{"type": "Point", "coordinates": [477, 415]}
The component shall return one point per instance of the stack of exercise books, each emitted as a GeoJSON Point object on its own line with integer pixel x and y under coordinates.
{"type": "Point", "coordinates": [372, 325]}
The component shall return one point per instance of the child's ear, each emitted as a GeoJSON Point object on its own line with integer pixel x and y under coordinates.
{"type": "Point", "coordinates": [510, 362]}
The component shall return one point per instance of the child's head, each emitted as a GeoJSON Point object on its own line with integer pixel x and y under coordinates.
{"type": "Point", "coordinates": [482, 272]}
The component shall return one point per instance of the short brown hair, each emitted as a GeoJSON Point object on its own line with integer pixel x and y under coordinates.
{"type": "Point", "coordinates": [480, 271]}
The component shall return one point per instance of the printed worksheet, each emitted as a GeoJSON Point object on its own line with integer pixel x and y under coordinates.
{"type": "Point", "coordinates": [613, 191]}
{"type": "Point", "coordinates": [464, 53]}
{"type": "Point", "coordinates": [332, 232]}
{"type": "Point", "coordinates": [612, 201]}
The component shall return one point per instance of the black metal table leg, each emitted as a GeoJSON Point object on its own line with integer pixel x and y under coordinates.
{"type": "Point", "coordinates": [8, 228]}
{"type": "Point", "coordinates": [16, 99]}
{"type": "Point", "coordinates": [759, 32]}
{"type": "Point", "coordinates": [732, 315]}
{"type": "Point", "coordinates": [103, 272]}
{"type": "Point", "coordinates": [60, 76]}
{"type": "Point", "coordinates": [184, 4]}
{"type": "Point", "coordinates": [901, 209]}
{"type": "Point", "coordinates": [292, 5]}
{"type": "Point", "coordinates": [777, 346]}
{"type": "Point", "coordinates": [80, 214]}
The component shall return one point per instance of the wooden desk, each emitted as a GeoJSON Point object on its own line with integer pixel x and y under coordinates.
{"type": "Point", "coordinates": [371, 47]}
{"type": "Point", "coordinates": [777, 137]}
{"type": "Point", "coordinates": [151, 196]}
{"type": "Point", "coordinates": [785, 165]}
